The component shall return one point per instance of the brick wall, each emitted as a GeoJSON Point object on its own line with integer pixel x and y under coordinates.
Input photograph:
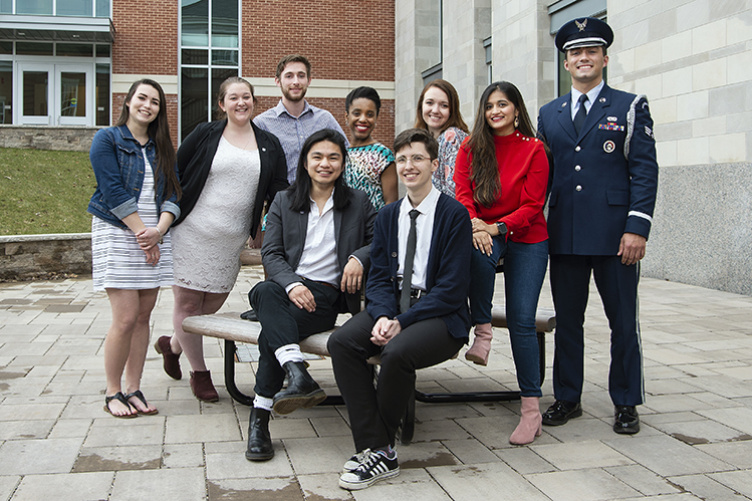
{"type": "Point", "coordinates": [146, 37]}
{"type": "Point", "coordinates": [343, 40]}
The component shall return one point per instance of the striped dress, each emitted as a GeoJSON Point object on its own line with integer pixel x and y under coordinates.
{"type": "Point", "coordinates": [117, 260]}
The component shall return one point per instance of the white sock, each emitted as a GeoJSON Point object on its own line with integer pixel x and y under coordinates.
{"type": "Point", "coordinates": [263, 403]}
{"type": "Point", "coordinates": [288, 353]}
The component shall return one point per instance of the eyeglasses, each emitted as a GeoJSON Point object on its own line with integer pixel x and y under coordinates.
{"type": "Point", "coordinates": [415, 160]}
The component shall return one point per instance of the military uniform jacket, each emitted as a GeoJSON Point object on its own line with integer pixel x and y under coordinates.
{"type": "Point", "coordinates": [603, 182]}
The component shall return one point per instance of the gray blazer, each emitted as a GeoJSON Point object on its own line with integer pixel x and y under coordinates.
{"type": "Point", "coordinates": [285, 238]}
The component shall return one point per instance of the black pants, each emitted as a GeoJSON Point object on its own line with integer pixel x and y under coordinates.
{"type": "Point", "coordinates": [283, 323]}
{"type": "Point", "coordinates": [375, 413]}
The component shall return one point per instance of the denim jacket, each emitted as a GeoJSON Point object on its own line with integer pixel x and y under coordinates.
{"type": "Point", "coordinates": [118, 164]}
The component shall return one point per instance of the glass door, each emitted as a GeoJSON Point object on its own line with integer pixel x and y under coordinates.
{"type": "Point", "coordinates": [56, 94]}
{"type": "Point", "coordinates": [73, 86]}
{"type": "Point", "coordinates": [35, 85]}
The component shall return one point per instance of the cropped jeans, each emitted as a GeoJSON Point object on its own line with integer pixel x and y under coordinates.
{"type": "Point", "coordinates": [524, 271]}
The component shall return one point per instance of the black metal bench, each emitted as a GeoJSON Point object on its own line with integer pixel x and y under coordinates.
{"type": "Point", "coordinates": [233, 329]}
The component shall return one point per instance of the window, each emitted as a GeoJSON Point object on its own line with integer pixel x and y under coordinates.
{"type": "Point", "coordinates": [78, 8]}
{"type": "Point", "coordinates": [209, 38]}
{"type": "Point", "coordinates": [562, 12]}
{"type": "Point", "coordinates": [489, 60]}
{"type": "Point", "coordinates": [102, 84]}
{"type": "Point", "coordinates": [6, 92]}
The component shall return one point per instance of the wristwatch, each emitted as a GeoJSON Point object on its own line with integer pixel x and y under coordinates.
{"type": "Point", "coordinates": [502, 227]}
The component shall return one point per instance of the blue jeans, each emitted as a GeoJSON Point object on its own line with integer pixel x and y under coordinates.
{"type": "Point", "coordinates": [524, 270]}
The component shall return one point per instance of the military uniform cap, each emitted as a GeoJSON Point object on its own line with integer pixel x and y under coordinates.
{"type": "Point", "coordinates": [584, 32]}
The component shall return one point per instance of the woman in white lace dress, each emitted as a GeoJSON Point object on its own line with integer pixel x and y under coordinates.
{"type": "Point", "coordinates": [228, 169]}
{"type": "Point", "coordinates": [133, 206]}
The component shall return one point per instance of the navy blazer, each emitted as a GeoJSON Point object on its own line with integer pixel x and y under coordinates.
{"type": "Point", "coordinates": [195, 157]}
{"type": "Point", "coordinates": [285, 235]}
{"type": "Point", "coordinates": [447, 277]}
{"type": "Point", "coordinates": [603, 181]}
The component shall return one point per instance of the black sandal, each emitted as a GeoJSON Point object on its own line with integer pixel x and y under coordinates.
{"type": "Point", "coordinates": [141, 397]}
{"type": "Point", "coordinates": [120, 398]}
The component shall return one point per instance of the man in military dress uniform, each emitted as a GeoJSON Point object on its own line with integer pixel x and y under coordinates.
{"type": "Point", "coordinates": [603, 185]}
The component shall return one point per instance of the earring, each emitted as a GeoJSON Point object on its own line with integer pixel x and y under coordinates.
{"type": "Point", "coordinates": [516, 122]}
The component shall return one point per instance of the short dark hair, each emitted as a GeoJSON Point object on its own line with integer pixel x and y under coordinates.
{"type": "Point", "coordinates": [300, 191]}
{"type": "Point", "coordinates": [363, 92]}
{"type": "Point", "coordinates": [293, 58]}
{"type": "Point", "coordinates": [409, 136]}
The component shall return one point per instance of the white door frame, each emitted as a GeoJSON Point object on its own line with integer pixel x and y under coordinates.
{"type": "Point", "coordinates": [19, 117]}
{"type": "Point", "coordinates": [54, 90]}
{"type": "Point", "coordinates": [88, 118]}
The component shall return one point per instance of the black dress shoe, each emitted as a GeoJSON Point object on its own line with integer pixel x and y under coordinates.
{"type": "Point", "coordinates": [249, 315]}
{"type": "Point", "coordinates": [626, 420]}
{"type": "Point", "coordinates": [259, 440]}
{"type": "Point", "coordinates": [301, 391]}
{"type": "Point", "coordinates": [560, 412]}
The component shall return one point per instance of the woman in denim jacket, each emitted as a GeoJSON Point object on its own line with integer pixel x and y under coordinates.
{"type": "Point", "coordinates": [134, 204]}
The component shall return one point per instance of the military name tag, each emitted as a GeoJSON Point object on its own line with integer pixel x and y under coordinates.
{"type": "Point", "coordinates": [609, 146]}
{"type": "Point", "coordinates": [611, 126]}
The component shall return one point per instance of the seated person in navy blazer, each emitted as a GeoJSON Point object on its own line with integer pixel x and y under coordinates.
{"type": "Point", "coordinates": [426, 325]}
{"type": "Point", "coordinates": [315, 251]}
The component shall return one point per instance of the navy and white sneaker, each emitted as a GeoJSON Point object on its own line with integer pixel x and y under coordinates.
{"type": "Point", "coordinates": [377, 466]}
{"type": "Point", "coordinates": [356, 460]}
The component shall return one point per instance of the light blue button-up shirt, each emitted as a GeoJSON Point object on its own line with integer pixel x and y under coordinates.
{"type": "Point", "coordinates": [293, 131]}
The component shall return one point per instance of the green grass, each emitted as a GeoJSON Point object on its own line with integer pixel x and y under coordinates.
{"type": "Point", "coordinates": [44, 191]}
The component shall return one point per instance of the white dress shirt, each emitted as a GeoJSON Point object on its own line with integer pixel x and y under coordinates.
{"type": "Point", "coordinates": [592, 94]}
{"type": "Point", "coordinates": [319, 259]}
{"type": "Point", "coordinates": [424, 232]}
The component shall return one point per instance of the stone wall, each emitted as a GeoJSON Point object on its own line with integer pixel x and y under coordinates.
{"type": "Point", "coordinates": [39, 137]}
{"type": "Point", "coordinates": [25, 257]}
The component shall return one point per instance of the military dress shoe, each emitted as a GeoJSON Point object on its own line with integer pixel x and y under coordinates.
{"type": "Point", "coordinates": [259, 440]}
{"type": "Point", "coordinates": [560, 412]}
{"type": "Point", "coordinates": [626, 419]}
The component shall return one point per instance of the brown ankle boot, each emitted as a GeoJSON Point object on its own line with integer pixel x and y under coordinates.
{"type": "Point", "coordinates": [171, 361]}
{"type": "Point", "coordinates": [530, 422]}
{"type": "Point", "coordinates": [478, 352]}
{"type": "Point", "coordinates": [202, 386]}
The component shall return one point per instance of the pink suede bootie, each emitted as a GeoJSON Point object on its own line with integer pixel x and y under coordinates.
{"type": "Point", "coordinates": [478, 352]}
{"type": "Point", "coordinates": [530, 422]}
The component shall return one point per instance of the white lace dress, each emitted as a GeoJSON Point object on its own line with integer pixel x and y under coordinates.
{"type": "Point", "coordinates": [206, 246]}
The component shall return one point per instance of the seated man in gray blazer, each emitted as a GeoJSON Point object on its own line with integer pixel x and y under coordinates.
{"type": "Point", "coordinates": [315, 251]}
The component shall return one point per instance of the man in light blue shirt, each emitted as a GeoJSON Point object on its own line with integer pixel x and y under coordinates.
{"type": "Point", "coordinates": [293, 119]}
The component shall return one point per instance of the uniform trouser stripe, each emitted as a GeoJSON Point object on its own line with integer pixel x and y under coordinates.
{"type": "Point", "coordinates": [617, 286]}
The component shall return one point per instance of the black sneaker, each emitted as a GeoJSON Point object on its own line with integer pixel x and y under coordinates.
{"type": "Point", "coordinates": [356, 460]}
{"type": "Point", "coordinates": [377, 466]}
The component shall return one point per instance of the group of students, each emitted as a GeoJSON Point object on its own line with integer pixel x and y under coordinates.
{"type": "Point", "coordinates": [473, 199]}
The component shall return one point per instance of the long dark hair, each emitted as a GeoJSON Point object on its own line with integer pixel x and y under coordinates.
{"type": "Point", "coordinates": [484, 169]}
{"type": "Point", "coordinates": [159, 132]}
{"type": "Point", "coordinates": [455, 117]}
{"type": "Point", "coordinates": [300, 191]}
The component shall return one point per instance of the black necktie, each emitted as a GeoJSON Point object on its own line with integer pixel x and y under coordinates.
{"type": "Point", "coordinates": [579, 118]}
{"type": "Point", "coordinates": [407, 274]}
